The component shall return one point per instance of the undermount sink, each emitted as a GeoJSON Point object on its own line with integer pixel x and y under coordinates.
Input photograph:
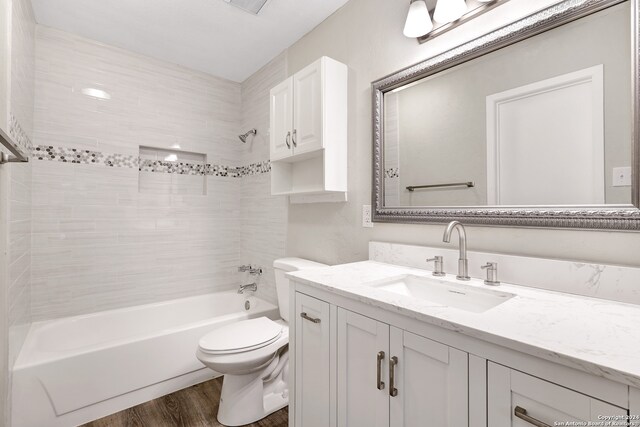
{"type": "Point", "coordinates": [443, 293]}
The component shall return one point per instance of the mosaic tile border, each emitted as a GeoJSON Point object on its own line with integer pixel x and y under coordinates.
{"type": "Point", "coordinates": [78, 156]}
{"type": "Point", "coordinates": [18, 134]}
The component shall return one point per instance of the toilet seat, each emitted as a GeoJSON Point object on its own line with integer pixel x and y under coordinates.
{"type": "Point", "coordinates": [242, 336]}
{"type": "Point", "coordinates": [244, 362]}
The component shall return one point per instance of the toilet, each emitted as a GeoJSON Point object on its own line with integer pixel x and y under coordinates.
{"type": "Point", "coordinates": [253, 357]}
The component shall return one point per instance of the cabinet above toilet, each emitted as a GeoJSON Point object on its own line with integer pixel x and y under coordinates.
{"type": "Point", "coordinates": [308, 141]}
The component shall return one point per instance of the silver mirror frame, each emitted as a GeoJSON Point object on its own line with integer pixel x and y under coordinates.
{"type": "Point", "coordinates": [611, 217]}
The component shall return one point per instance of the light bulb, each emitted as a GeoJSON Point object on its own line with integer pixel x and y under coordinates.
{"type": "Point", "coordinates": [418, 20]}
{"type": "Point", "coordinates": [449, 10]}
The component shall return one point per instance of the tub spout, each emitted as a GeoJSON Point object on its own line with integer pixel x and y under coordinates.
{"type": "Point", "coordinates": [250, 287]}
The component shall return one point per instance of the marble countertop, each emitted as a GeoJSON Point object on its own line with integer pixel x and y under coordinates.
{"type": "Point", "coordinates": [597, 336]}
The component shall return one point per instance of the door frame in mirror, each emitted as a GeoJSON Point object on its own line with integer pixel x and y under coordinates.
{"type": "Point", "coordinates": [604, 217]}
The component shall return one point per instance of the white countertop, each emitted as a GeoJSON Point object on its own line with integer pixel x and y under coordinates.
{"type": "Point", "coordinates": [597, 336]}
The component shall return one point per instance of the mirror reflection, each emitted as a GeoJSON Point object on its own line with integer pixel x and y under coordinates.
{"type": "Point", "coordinates": [546, 121]}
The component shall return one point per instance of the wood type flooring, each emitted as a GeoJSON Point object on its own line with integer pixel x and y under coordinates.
{"type": "Point", "coordinates": [195, 406]}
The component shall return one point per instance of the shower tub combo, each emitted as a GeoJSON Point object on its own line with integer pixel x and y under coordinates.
{"type": "Point", "coordinates": [77, 369]}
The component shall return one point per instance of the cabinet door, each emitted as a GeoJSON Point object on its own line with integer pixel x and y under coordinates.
{"type": "Point", "coordinates": [432, 382]}
{"type": "Point", "coordinates": [520, 400]}
{"type": "Point", "coordinates": [312, 370]}
{"type": "Point", "coordinates": [281, 117]}
{"type": "Point", "coordinates": [307, 114]}
{"type": "Point", "coordinates": [362, 402]}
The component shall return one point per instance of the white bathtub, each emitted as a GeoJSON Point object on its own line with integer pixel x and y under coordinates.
{"type": "Point", "coordinates": [77, 369]}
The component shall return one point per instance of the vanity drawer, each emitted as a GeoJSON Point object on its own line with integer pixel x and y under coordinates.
{"type": "Point", "coordinates": [520, 400]}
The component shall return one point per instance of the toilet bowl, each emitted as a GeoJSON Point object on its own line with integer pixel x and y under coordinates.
{"type": "Point", "coordinates": [253, 357]}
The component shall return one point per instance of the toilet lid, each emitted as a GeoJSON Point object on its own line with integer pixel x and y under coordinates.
{"type": "Point", "coordinates": [241, 336]}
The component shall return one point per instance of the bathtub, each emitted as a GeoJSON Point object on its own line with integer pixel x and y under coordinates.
{"type": "Point", "coordinates": [77, 369]}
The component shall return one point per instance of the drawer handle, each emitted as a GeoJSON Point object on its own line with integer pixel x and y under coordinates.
{"type": "Point", "coordinates": [287, 140]}
{"type": "Point", "coordinates": [521, 413]}
{"type": "Point", "coordinates": [293, 138]}
{"type": "Point", "coordinates": [393, 362]}
{"type": "Point", "coordinates": [380, 358]}
{"type": "Point", "coordinates": [309, 318]}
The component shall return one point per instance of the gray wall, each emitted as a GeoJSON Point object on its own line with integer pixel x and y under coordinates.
{"type": "Point", "coordinates": [443, 119]}
{"type": "Point", "coordinates": [367, 36]}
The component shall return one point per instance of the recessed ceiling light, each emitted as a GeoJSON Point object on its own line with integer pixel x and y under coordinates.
{"type": "Point", "coordinates": [96, 93]}
{"type": "Point", "coordinates": [251, 6]}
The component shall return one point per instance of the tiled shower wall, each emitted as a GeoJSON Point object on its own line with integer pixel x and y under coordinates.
{"type": "Point", "coordinates": [23, 29]}
{"type": "Point", "coordinates": [264, 217]}
{"type": "Point", "coordinates": [15, 205]}
{"type": "Point", "coordinates": [99, 243]}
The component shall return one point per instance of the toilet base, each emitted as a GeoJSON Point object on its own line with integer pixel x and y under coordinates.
{"type": "Point", "coordinates": [248, 398]}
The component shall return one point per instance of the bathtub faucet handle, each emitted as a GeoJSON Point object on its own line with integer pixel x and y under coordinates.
{"type": "Point", "coordinates": [244, 268]}
{"type": "Point", "coordinates": [255, 271]}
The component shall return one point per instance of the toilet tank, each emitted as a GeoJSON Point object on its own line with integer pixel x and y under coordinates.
{"type": "Point", "coordinates": [285, 265]}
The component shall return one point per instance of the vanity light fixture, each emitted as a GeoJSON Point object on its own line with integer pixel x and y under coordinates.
{"type": "Point", "coordinates": [447, 15]}
{"type": "Point", "coordinates": [449, 10]}
{"type": "Point", "coordinates": [418, 21]}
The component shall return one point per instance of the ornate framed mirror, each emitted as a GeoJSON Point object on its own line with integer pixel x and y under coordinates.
{"type": "Point", "coordinates": [531, 125]}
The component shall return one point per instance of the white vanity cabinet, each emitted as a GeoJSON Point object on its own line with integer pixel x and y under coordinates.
{"type": "Point", "coordinates": [358, 365]}
{"type": "Point", "coordinates": [363, 385]}
{"type": "Point", "coordinates": [516, 399]}
{"type": "Point", "coordinates": [432, 382]}
{"type": "Point", "coordinates": [384, 376]}
{"type": "Point", "coordinates": [308, 132]}
{"type": "Point", "coordinates": [388, 377]}
{"type": "Point", "coordinates": [312, 353]}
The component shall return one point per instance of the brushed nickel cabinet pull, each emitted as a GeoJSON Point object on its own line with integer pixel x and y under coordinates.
{"type": "Point", "coordinates": [287, 140]}
{"type": "Point", "coordinates": [521, 413]}
{"type": "Point", "coordinates": [393, 362]}
{"type": "Point", "coordinates": [380, 358]}
{"type": "Point", "coordinates": [309, 318]}
{"type": "Point", "coordinates": [293, 138]}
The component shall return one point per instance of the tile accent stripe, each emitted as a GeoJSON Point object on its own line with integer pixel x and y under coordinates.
{"type": "Point", "coordinates": [77, 156]}
{"type": "Point", "coordinates": [68, 155]}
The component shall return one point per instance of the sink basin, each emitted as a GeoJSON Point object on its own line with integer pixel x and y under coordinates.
{"type": "Point", "coordinates": [444, 293]}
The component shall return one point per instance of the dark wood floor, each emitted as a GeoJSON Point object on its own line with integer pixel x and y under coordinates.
{"type": "Point", "coordinates": [191, 407]}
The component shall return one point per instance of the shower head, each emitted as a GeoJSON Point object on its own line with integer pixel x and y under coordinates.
{"type": "Point", "coordinates": [244, 136]}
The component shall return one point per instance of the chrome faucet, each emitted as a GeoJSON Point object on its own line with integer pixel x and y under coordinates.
{"type": "Point", "coordinates": [250, 287]}
{"type": "Point", "coordinates": [463, 263]}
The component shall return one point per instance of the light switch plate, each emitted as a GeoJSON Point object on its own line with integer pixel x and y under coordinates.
{"type": "Point", "coordinates": [622, 177]}
{"type": "Point", "coordinates": [366, 216]}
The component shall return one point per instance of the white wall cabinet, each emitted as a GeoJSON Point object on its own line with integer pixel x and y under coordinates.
{"type": "Point", "coordinates": [363, 366]}
{"type": "Point", "coordinates": [308, 136]}
{"type": "Point", "coordinates": [516, 399]}
{"type": "Point", "coordinates": [281, 119]}
{"type": "Point", "coordinates": [307, 104]}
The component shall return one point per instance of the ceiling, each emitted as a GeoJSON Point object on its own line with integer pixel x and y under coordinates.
{"type": "Point", "coordinates": [206, 35]}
